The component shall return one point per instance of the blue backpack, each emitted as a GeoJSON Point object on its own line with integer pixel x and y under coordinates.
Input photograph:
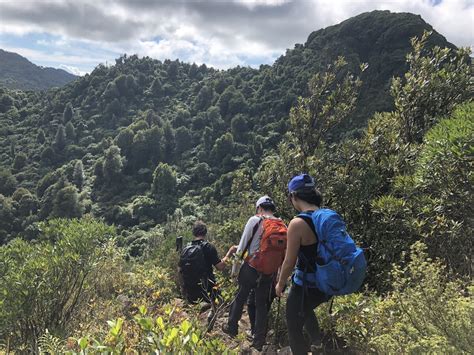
{"type": "Point", "coordinates": [341, 265]}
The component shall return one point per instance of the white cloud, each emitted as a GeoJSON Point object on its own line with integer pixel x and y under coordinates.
{"type": "Point", "coordinates": [215, 32]}
{"type": "Point", "coordinates": [62, 42]}
{"type": "Point", "coordinates": [255, 3]}
{"type": "Point", "coordinates": [55, 56]}
{"type": "Point", "coordinates": [71, 69]}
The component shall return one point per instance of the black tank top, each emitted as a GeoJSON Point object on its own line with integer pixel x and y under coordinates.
{"type": "Point", "coordinates": [307, 255]}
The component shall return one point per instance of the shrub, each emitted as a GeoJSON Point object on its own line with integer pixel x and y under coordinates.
{"type": "Point", "coordinates": [161, 335]}
{"type": "Point", "coordinates": [389, 235]}
{"type": "Point", "coordinates": [446, 166]}
{"type": "Point", "coordinates": [425, 313]}
{"type": "Point", "coordinates": [42, 284]}
{"type": "Point", "coordinates": [432, 87]}
{"type": "Point", "coordinates": [144, 209]}
{"type": "Point", "coordinates": [119, 287]}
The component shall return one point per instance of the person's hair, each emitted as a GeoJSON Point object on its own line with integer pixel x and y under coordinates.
{"type": "Point", "coordinates": [199, 229]}
{"type": "Point", "coordinates": [269, 207]}
{"type": "Point", "coordinates": [312, 196]}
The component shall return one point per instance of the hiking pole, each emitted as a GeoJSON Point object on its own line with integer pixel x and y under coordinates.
{"type": "Point", "coordinates": [330, 307]}
{"type": "Point", "coordinates": [218, 310]}
{"type": "Point", "coordinates": [277, 326]}
{"type": "Point", "coordinates": [213, 315]}
{"type": "Point", "coordinates": [179, 244]}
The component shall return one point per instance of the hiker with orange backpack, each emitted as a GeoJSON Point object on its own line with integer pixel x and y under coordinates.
{"type": "Point", "coordinates": [263, 244]}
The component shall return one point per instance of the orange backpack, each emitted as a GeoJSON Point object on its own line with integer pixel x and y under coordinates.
{"type": "Point", "coordinates": [271, 251]}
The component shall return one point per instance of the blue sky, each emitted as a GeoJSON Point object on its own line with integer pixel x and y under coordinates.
{"type": "Point", "coordinates": [78, 35]}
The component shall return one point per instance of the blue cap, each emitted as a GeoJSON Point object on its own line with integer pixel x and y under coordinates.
{"type": "Point", "coordinates": [300, 182]}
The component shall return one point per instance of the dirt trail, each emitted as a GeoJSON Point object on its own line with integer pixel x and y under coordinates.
{"type": "Point", "coordinates": [242, 341]}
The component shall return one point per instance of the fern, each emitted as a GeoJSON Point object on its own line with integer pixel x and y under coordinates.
{"type": "Point", "coordinates": [49, 344]}
{"type": "Point", "coordinates": [3, 342]}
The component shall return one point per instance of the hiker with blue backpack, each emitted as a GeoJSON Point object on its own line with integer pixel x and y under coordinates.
{"type": "Point", "coordinates": [328, 263]}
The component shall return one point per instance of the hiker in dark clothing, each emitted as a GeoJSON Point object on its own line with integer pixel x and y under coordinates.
{"type": "Point", "coordinates": [196, 266]}
{"type": "Point", "coordinates": [301, 251]}
{"type": "Point", "coordinates": [252, 305]}
{"type": "Point", "coordinates": [251, 280]}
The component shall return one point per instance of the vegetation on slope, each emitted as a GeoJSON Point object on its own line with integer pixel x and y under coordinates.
{"type": "Point", "coordinates": [106, 141]}
{"type": "Point", "coordinates": [404, 185]}
{"type": "Point", "coordinates": [18, 73]}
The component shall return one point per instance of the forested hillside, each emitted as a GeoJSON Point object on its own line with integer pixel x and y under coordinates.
{"type": "Point", "coordinates": [376, 108]}
{"type": "Point", "coordinates": [117, 133]}
{"type": "Point", "coordinates": [17, 72]}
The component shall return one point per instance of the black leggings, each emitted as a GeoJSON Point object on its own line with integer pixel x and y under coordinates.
{"type": "Point", "coordinates": [299, 313]}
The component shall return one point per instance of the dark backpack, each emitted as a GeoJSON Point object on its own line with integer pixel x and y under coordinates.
{"type": "Point", "coordinates": [192, 264]}
{"type": "Point", "coordinates": [342, 266]}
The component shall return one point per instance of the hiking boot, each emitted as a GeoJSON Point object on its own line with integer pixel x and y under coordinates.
{"type": "Point", "coordinates": [230, 332]}
{"type": "Point", "coordinates": [316, 349]}
{"type": "Point", "coordinates": [204, 306]}
{"type": "Point", "coordinates": [285, 351]}
{"type": "Point", "coordinates": [210, 316]}
{"type": "Point", "coordinates": [257, 346]}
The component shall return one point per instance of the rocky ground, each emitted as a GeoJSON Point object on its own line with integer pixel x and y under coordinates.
{"type": "Point", "coordinates": [276, 344]}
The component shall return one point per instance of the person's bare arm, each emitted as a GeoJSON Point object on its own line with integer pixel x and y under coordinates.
{"type": "Point", "coordinates": [221, 266]}
{"type": "Point", "coordinates": [231, 251]}
{"type": "Point", "coordinates": [293, 245]}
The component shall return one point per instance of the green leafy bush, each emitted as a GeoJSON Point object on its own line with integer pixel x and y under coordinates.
{"type": "Point", "coordinates": [446, 164]}
{"type": "Point", "coordinates": [42, 284]}
{"type": "Point", "coordinates": [435, 83]}
{"type": "Point", "coordinates": [164, 334]}
{"type": "Point", "coordinates": [427, 312]}
{"type": "Point", "coordinates": [390, 233]}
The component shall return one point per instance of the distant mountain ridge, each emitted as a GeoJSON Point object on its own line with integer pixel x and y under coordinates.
{"type": "Point", "coordinates": [17, 72]}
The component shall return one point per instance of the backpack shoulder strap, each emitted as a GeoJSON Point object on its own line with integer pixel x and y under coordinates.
{"type": "Point", "coordinates": [202, 245]}
{"type": "Point", "coordinates": [184, 249]}
{"type": "Point", "coordinates": [200, 242]}
{"type": "Point", "coordinates": [254, 231]}
{"type": "Point", "coordinates": [306, 216]}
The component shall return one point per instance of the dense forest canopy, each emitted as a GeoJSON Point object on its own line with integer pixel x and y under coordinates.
{"type": "Point", "coordinates": [376, 108]}
{"type": "Point", "coordinates": [127, 122]}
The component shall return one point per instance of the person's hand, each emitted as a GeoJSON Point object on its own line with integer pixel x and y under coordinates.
{"type": "Point", "coordinates": [232, 250]}
{"type": "Point", "coordinates": [234, 273]}
{"type": "Point", "coordinates": [279, 288]}
{"type": "Point", "coordinates": [230, 253]}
